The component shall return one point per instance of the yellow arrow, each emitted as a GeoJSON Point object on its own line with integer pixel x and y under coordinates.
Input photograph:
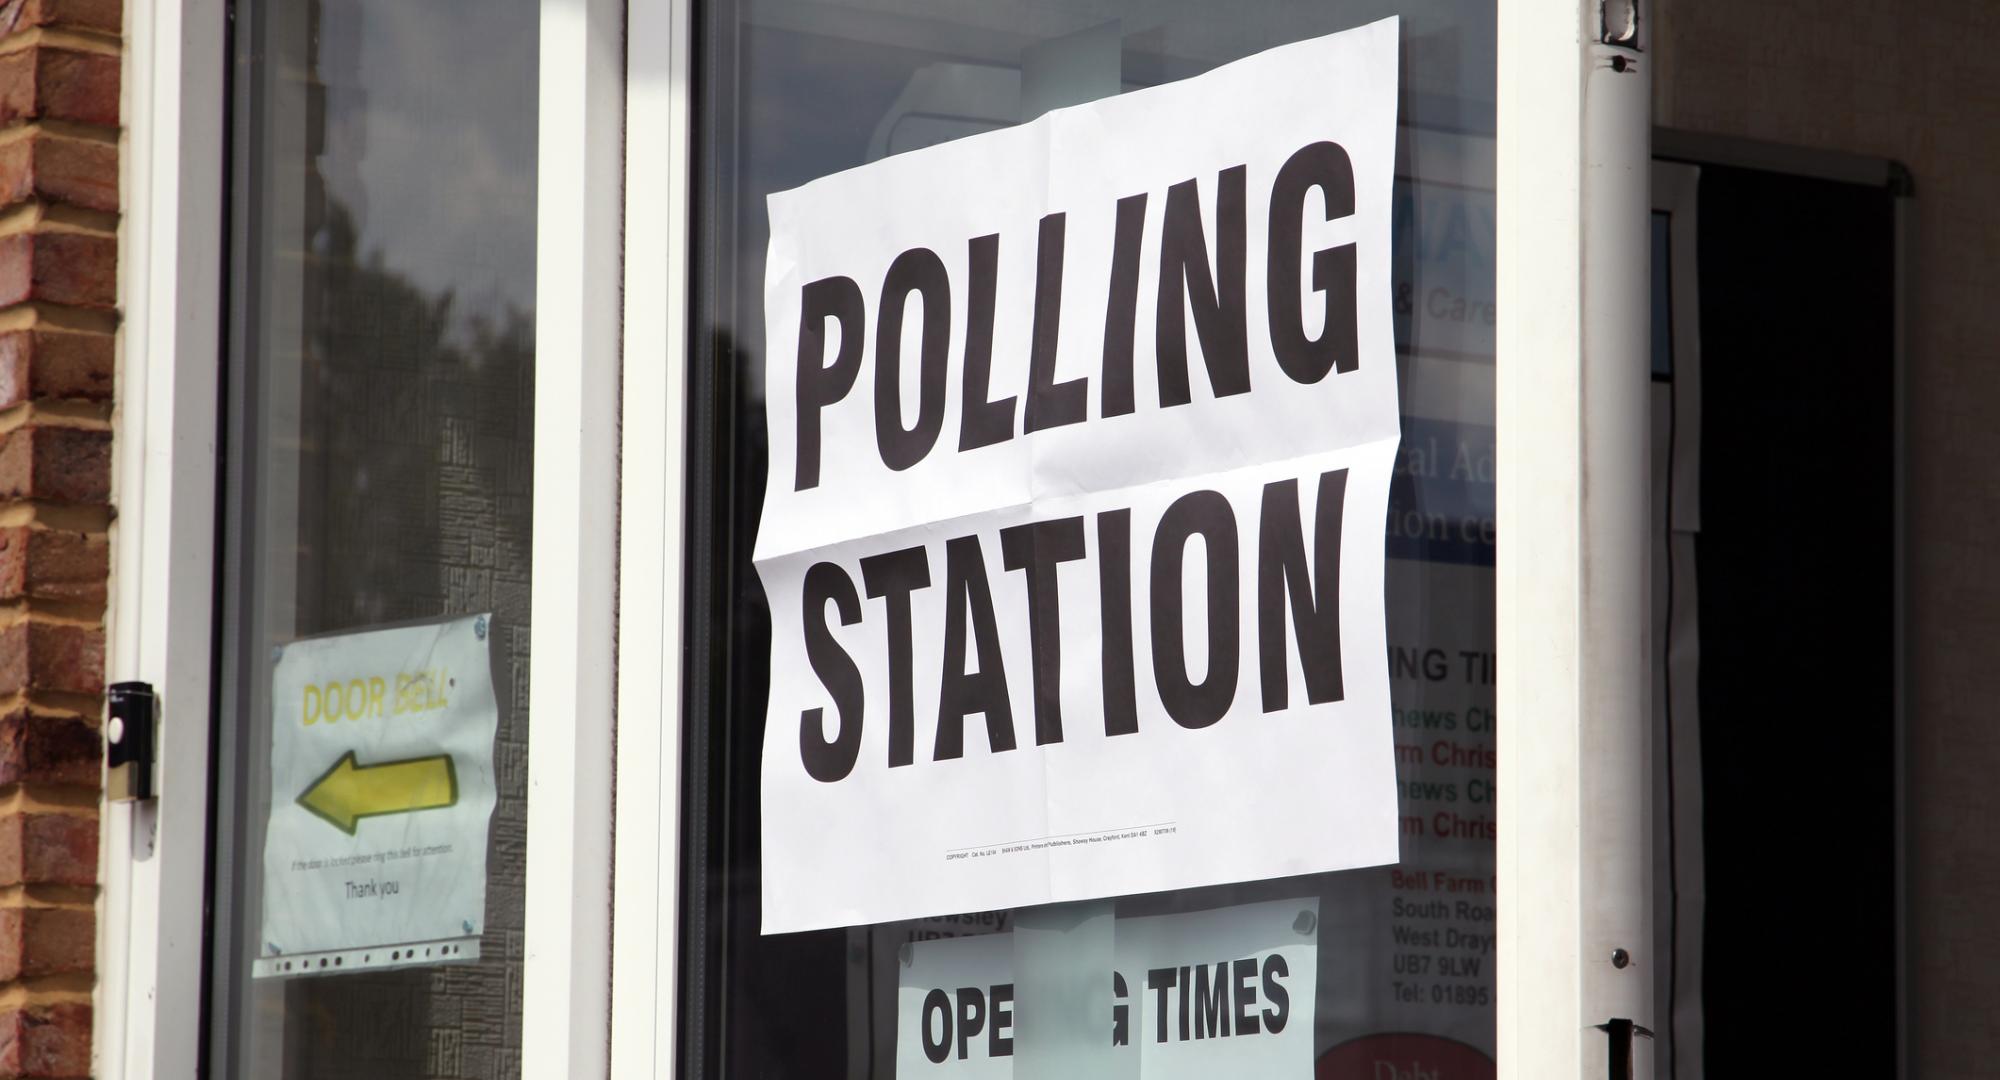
{"type": "Point", "coordinates": [349, 792]}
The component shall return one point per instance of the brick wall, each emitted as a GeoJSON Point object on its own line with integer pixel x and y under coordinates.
{"type": "Point", "coordinates": [59, 99]}
{"type": "Point", "coordinates": [1917, 81]}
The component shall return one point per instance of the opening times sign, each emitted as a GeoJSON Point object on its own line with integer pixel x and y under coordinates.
{"type": "Point", "coordinates": [1225, 992]}
{"type": "Point", "coordinates": [1082, 435]}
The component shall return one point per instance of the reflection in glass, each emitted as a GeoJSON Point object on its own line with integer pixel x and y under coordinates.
{"type": "Point", "coordinates": [379, 462]}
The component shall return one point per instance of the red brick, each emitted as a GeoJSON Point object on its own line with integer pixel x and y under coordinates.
{"type": "Point", "coordinates": [13, 562]}
{"type": "Point", "coordinates": [35, 655]}
{"type": "Point", "coordinates": [79, 269]}
{"type": "Point", "coordinates": [65, 656]}
{"type": "Point", "coordinates": [49, 749]}
{"type": "Point", "coordinates": [48, 83]}
{"type": "Point", "coordinates": [101, 15]}
{"type": "Point", "coordinates": [53, 564]}
{"type": "Point", "coordinates": [55, 364]}
{"type": "Point", "coordinates": [48, 849]}
{"type": "Point", "coordinates": [45, 1042]}
{"type": "Point", "coordinates": [60, 169]}
{"type": "Point", "coordinates": [75, 268]}
{"type": "Point", "coordinates": [46, 941]}
{"type": "Point", "coordinates": [58, 849]}
{"type": "Point", "coordinates": [56, 463]}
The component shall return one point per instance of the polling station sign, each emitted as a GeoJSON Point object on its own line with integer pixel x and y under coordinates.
{"type": "Point", "coordinates": [1081, 439]}
{"type": "Point", "coordinates": [381, 790]}
{"type": "Point", "coordinates": [1227, 992]}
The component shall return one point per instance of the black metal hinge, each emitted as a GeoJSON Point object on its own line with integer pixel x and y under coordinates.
{"type": "Point", "coordinates": [1622, 1032]}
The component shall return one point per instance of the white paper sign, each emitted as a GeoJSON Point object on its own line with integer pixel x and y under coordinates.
{"type": "Point", "coordinates": [955, 1009]}
{"type": "Point", "coordinates": [1228, 992]}
{"type": "Point", "coordinates": [1081, 437]}
{"type": "Point", "coordinates": [381, 791]}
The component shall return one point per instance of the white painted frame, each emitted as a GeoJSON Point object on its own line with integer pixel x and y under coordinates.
{"type": "Point", "coordinates": [566, 985]}
{"type": "Point", "coordinates": [645, 972]}
{"type": "Point", "coordinates": [149, 1020]}
{"type": "Point", "coordinates": [153, 856]}
{"type": "Point", "coordinates": [1572, 576]}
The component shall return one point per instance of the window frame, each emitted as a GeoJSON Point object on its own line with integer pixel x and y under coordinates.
{"type": "Point", "coordinates": [152, 998]}
{"type": "Point", "coordinates": [1572, 197]}
{"type": "Point", "coordinates": [652, 499]}
{"type": "Point", "coordinates": [566, 978]}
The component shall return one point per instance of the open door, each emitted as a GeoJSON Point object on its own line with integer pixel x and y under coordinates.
{"type": "Point", "coordinates": [1777, 609]}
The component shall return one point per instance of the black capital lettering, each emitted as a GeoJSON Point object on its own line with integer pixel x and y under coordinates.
{"type": "Point", "coordinates": [961, 693]}
{"type": "Point", "coordinates": [893, 577]}
{"type": "Point", "coordinates": [939, 1003]}
{"type": "Point", "coordinates": [839, 299]}
{"type": "Point", "coordinates": [1244, 989]}
{"type": "Point", "coordinates": [1211, 1002]}
{"type": "Point", "coordinates": [1161, 980]}
{"type": "Point", "coordinates": [1121, 1013]}
{"type": "Point", "coordinates": [1325, 166]}
{"type": "Point", "coordinates": [999, 1032]}
{"type": "Point", "coordinates": [1038, 548]}
{"type": "Point", "coordinates": [1208, 515]}
{"type": "Point", "coordinates": [1314, 591]}
{"type": "Point", "coordinates": [1121, 307]}
{"type": "Point", "coordinates": [981, 422]}
{"type": "Point", "coordinates": [1280, 1010]}
{"type": "Point", "coordinates": [828, 761]}
{"type": "Point", "coordinates": [919, 271]}
{"type": "Point", "coordinates": [1216, 301]}
{"type": "Point", "coordinates": [1185, 986]}
{"type": "Point", "coordinates": [1050, 403]}
{"type": "Point", "coordinates": [1114, 588]}
{"type": "Point", "coordinates": [971, 1017]}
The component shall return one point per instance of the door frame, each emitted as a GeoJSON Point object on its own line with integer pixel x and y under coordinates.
{"type": "Point", "coordinates": [1574, 918]}
{"type": "Point", "coordinates": [613, 258]}
{"type": "Point", "coordinates": [159, 621]}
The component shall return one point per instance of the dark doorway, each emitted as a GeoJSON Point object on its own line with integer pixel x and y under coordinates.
{"type": "Point", "coordinates": [1796, 560]}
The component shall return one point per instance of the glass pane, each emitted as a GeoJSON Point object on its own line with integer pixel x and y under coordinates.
{"type": "Point", "coordinates": [797, 89]}
{"type": "Point", "coordinates": [378, 499]}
